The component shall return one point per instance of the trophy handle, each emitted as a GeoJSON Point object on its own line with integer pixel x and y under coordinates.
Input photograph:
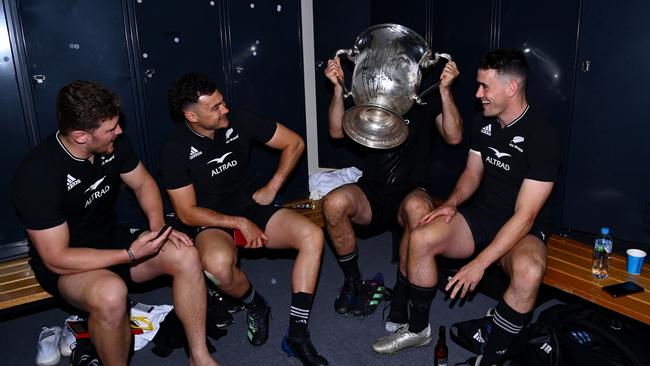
{"type": "Point", "coordinates": [426, 62]}
{"type": "Point", "coordinates": [352, 56]}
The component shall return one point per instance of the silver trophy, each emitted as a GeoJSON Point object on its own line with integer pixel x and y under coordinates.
{"type": "Point", "coordinates": [389, 59]}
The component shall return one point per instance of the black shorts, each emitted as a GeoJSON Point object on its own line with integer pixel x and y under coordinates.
{"type": "Point", "coordinates": [122, 237]}
{"type": "Point", "coordinates": [258, 214]}
{"type": "Point", "coordinates": [384, 202]}
{"type": "Point", "coordinates": [485, 225]}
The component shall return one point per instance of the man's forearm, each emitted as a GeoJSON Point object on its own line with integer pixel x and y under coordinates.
{"type": "Point", "coordinates": [335, 113]}
{"type": "Point", "coordinates": [76, 260]}
{"type": "Point", "coordinates": [148, 196]}
{"type": "Point", "coordinates": [200, 216]}
{"type": "Point", "coordinates": [452, 122]}
{"type": "Point", "coordinates": [467, 184]}
{"type": "Point", "coordinates": [288, 161]}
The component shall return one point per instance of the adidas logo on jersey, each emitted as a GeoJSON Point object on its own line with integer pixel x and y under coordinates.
{"type": "Point", "coordinates": [194, 152]}
{"type": "Point", "coordinates": [487, 130]}
{"type": "Point", "coordinates": [72, 181]}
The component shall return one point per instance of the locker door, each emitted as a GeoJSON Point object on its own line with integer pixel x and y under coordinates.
{"type": "Point", "coordinates": [336, 25]}
{"type": "Point", "coordinates": [79, 40]}
{"type": "Point", "coordinates": [175, 38]}
{"type": "Point", "coordinates": [607, 172]}
{"type": "Point", "coordinates": [547, 34]}
{"type": "Point", "coordinates": [464, 29]}
{"type": "Point", "coordinates": [267, 71]}
{"type": "Point", "coordinates": [14, 137]}
{"type": "Point", "coordinates": [413, 14]}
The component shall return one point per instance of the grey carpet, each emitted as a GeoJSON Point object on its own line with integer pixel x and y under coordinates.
{"type": "Point", "coordinates": [343, 340]}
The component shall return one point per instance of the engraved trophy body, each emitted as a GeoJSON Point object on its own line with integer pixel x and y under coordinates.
{"type": "Point", "coordinates": [389, 60]}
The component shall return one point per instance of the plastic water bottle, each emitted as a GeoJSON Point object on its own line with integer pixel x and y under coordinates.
{"type": "Point", "coordinates": [602, 252]}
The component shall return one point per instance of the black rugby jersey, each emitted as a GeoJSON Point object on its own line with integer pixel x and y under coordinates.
{"type": "Point", "coordinates": [408, 163]}
{"type": "Point", "coordinates": [219, 167]}
{"type": "Point", "coordinates": [52, 186]}
{"type": "Point", "coordinates": [527, 148]}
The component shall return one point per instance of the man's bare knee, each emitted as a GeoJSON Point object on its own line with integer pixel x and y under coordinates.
{"type": "Point", "coordinates": [527, 273]}
{"type": "Point", "coordinates": [107, 300]}
{"type": "Point", "coordinates": [185, 260]}
{"type": "Point", "coordinates": [220, 265]}
{"type": "Point", "coordinates": [336, 206]}
{"type": "Point", "coordinates": [422, 242]}
{"type": "Point", "coordinates": [413, 208]}
{"type": "Point", "coordinates": [311, 238]}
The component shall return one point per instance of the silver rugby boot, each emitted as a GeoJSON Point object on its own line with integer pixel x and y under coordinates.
{"type": "Point", "coordinates": [401, 339]}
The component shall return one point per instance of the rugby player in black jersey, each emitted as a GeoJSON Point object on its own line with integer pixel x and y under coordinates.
{"type": "Point", "coordinates": [206, 171]}
{"type": "Point", "coordinates": [515, 159]}
{"type": "Point", "coordinates": [66, 192]}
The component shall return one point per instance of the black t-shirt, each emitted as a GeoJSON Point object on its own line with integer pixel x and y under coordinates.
{"type": "Point", "coordinates": [408, 163]}
{"type": "Point", "coordinates": [52, 186]}
{"type": "Point", "coordinates": [219, 167]}
{"type": "Point", "coordinates": [528, 148]}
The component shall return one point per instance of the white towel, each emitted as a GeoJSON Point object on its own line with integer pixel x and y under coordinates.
{"type": "Point", "coordinates": [148, 318]}
{"type": "Point", "coordinates": [320, 184]}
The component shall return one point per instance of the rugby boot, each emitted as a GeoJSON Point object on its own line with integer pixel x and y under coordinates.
{"type": "Point", "coordinates": [258, 324]}
{"type": "Point", "coordinates": [401, 339]}
{"type": "Point", "coordinates": [348, 296]}
{"type": "Point", "coordinates": [304, 350]}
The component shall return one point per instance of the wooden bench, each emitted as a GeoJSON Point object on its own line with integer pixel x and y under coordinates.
{"type": "Point", "coordinates": [569, 269]}
{"type": "Point", "coordinates": [18, 285]}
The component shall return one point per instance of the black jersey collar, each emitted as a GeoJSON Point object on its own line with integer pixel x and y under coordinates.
{"type": "Point", "coordinates": [58, 139]}
{"type": "Point", "coordinates": [196, 133]}
{"type": "Point", "coordinates": [520, 116]}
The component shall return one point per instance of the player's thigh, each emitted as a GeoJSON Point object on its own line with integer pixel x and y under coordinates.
{"type": "Point", "coordinates": [288, 229]}
{"type": "Point", "coordinates": [87, 290]}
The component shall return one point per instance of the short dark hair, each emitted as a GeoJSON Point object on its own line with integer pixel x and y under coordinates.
{"type": "Point", "coordinates": [186, 91]}
{"type": "Point", "coordinates": [83, 105]}
{"type": "Point", "coordinates": [511, 62]}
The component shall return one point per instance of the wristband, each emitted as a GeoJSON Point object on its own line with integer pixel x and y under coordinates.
{"type": "Point", "coordinates": [131, 256]}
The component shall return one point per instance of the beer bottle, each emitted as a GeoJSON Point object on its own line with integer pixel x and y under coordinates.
{"type": "Point", "coordinates": [441, 351]}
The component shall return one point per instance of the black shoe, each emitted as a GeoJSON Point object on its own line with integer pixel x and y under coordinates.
{"type": "Point", "coordinates": [472, 334]}
{"type": "Point", "coordinates": [303, 350]}
{"type": "Point", "coordinates": [231, 306]}
{"type": "Point", "coordinates": [372, 293]}
{"type": "Point", "coordinates": [84, 354]}
{"type": "Point", "coordinates": [217, 313]}
{"type": "Point", "coordinates": [258, 324]}
{"type": "Point", "coordinates": [348, 296]}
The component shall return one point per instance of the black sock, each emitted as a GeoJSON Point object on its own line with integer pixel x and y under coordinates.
{"type": "Point", "coordinates": [506, 324]}
{"type": "Point", "coordinates": [300, 308]}
{"type": "Point", "coordinates": [252, 298]}
{"type": "Point", "coordinates": [419, 306]}
{"type": "Point", "coordinates": [399, 300]}
{"type": "Point", "coordinates": [350, 266]}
